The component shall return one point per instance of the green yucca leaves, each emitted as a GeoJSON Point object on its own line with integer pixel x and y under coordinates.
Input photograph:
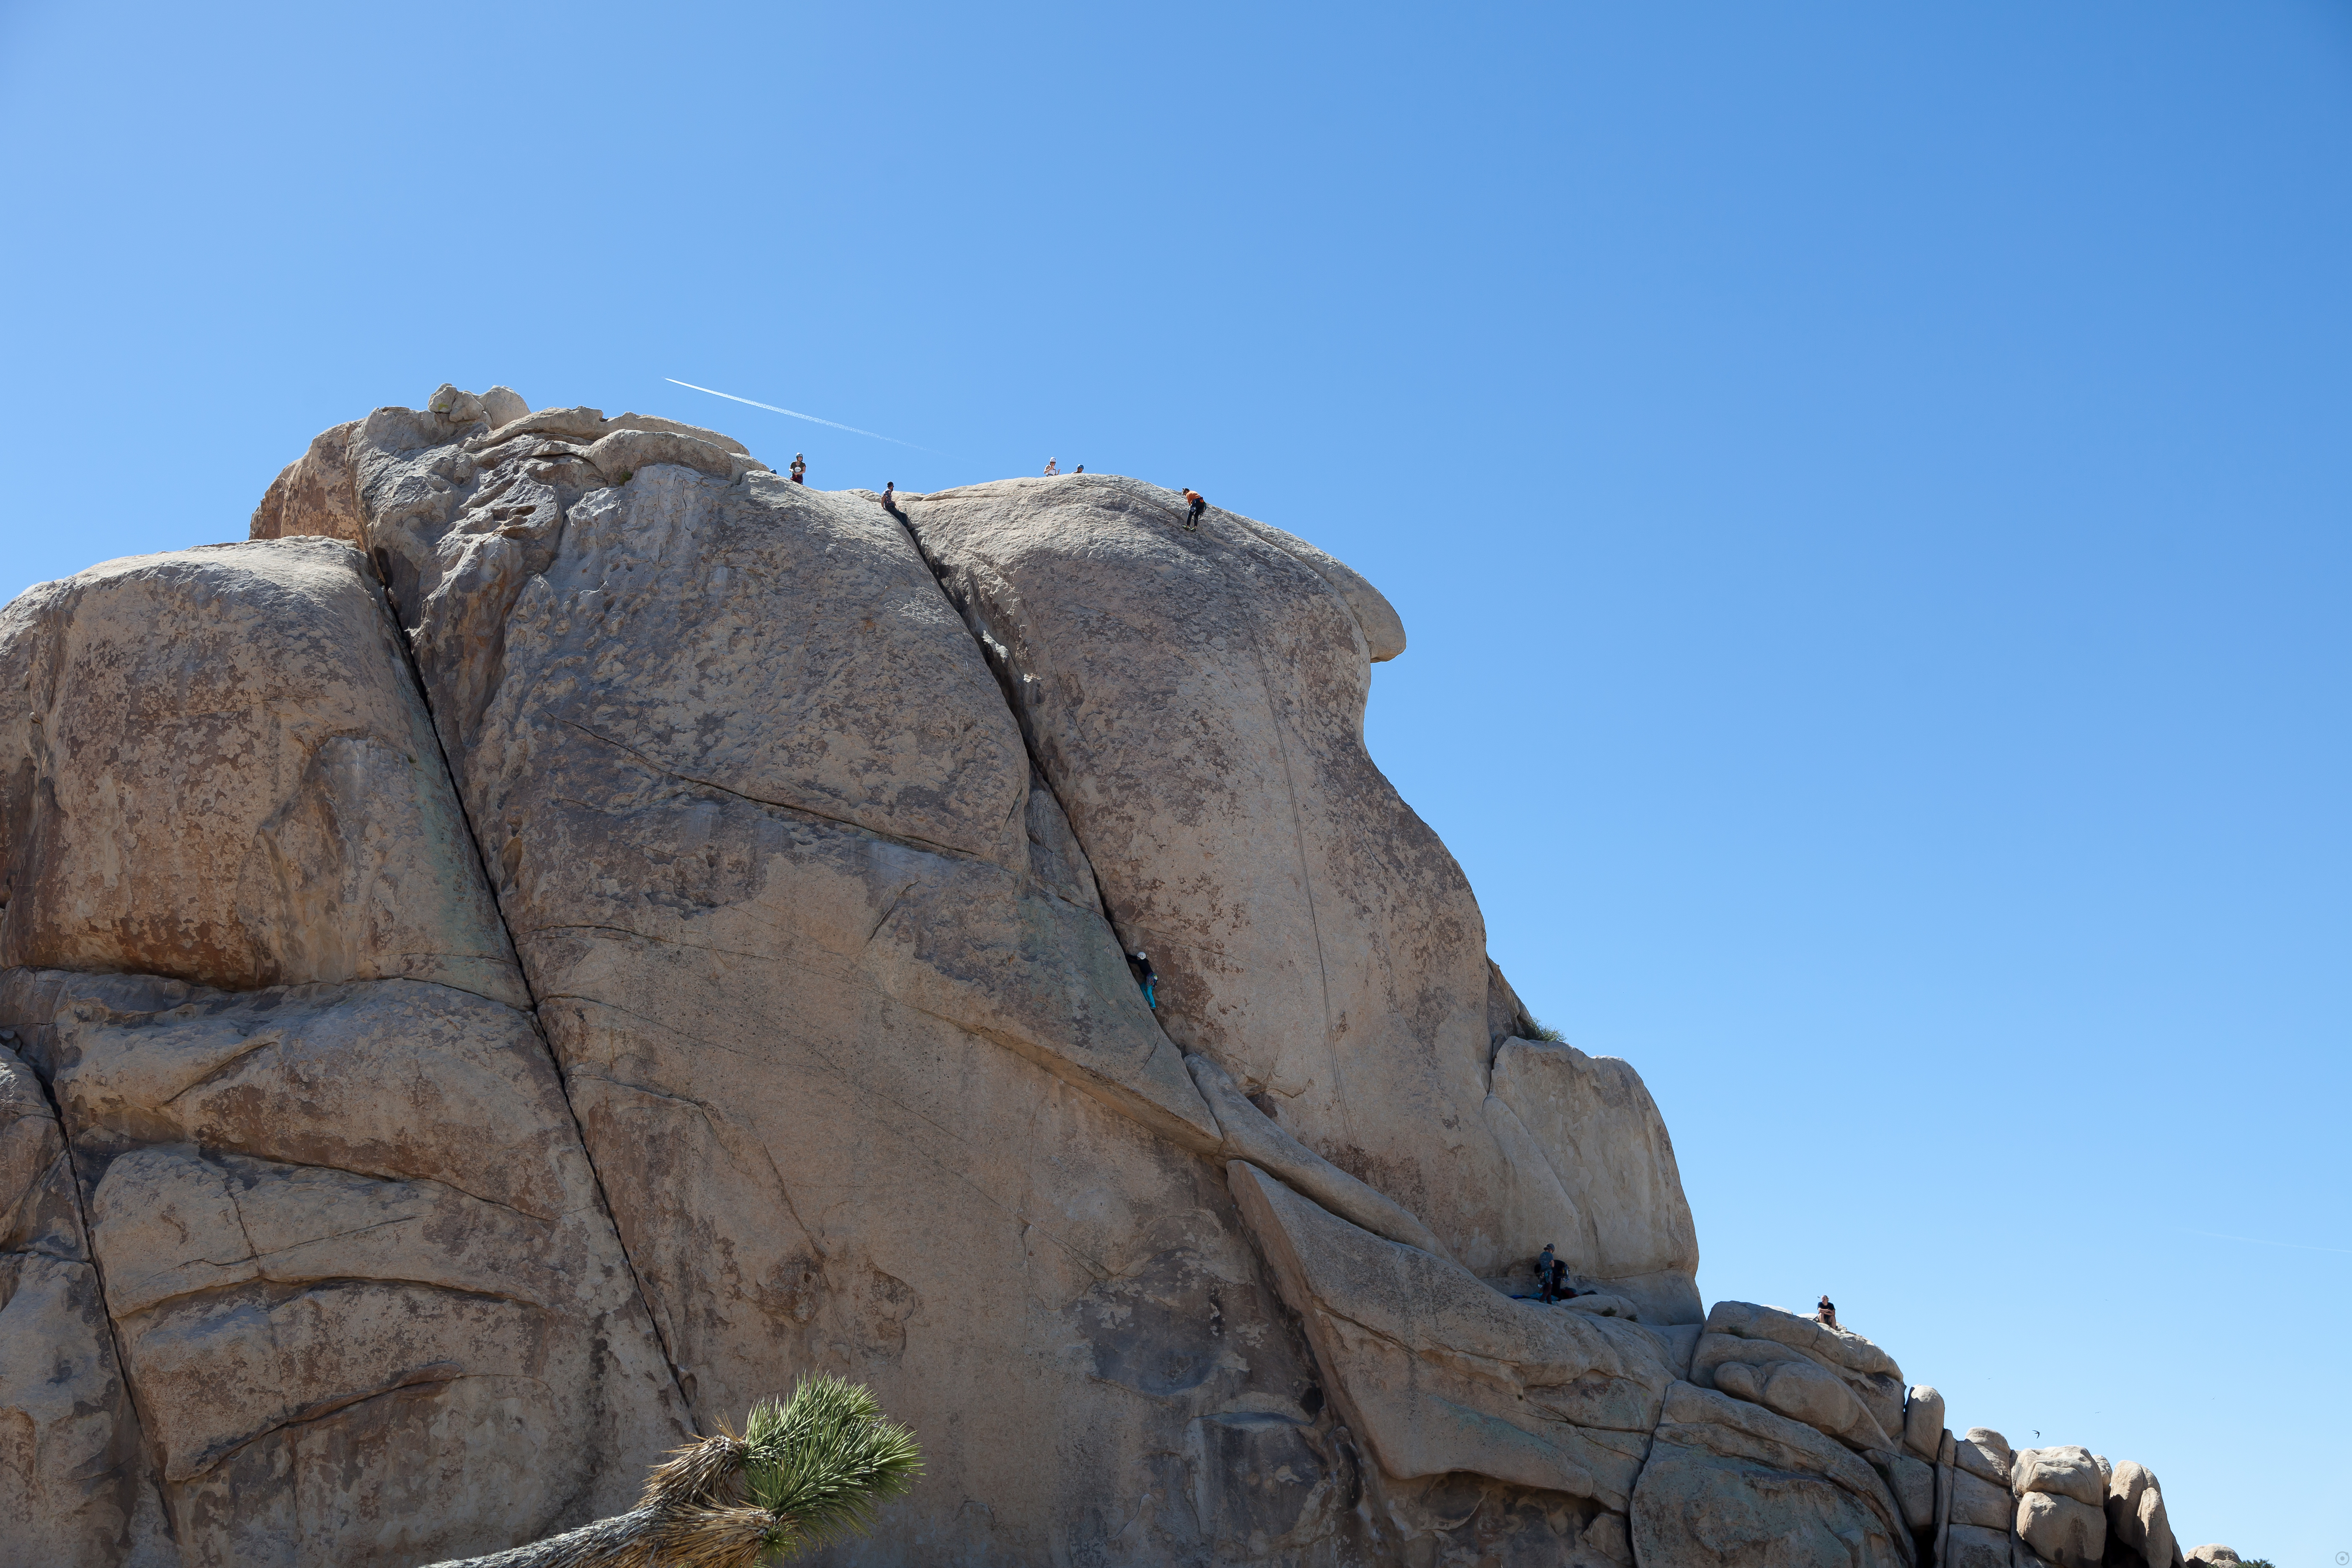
{"type": "Point", "coordinates": [809, 1467]}
{"type": "Point", "coordinates": [823, 1460]}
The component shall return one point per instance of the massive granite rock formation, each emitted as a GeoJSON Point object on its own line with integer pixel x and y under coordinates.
{"type": "Point", "coordinates": [565, 931]}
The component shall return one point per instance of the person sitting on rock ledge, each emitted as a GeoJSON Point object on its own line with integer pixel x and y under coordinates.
{"type": "Point", "coordinates": [890, 497]}
{"type": "Point", "coordinates": [1826, 1315]}
{"type": "Point", "coordinates": [1050, 469]}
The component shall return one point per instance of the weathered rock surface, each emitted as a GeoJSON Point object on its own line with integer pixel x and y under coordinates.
{"type": "Point", "coordinates": [1922, 1422]}
{"type": "Point", "coordinates": [338, 1225]}
{"type": "Point", "coordinates": [1977, 1501]}
{"type": "Point", "coordinates": [2136, 1515]}
{"type": "Point", "coordinates": [1251, 1135]}
{"type": "Point", "coordinates": [1727, 1482]}
{"type": "Point", "coordinates": [314, 494]}
{"type": "Point", "coordinates": [2061, 1531]}
{"type": "Point", "coordinates": [1985, 1453]}
{"type": "Point", "coordinates": [1599, 1144]}
{"type": "Point", "coordinates": [2067, 1472]}
{"type": "Point", "coordinates": [1978, 1546]}
{"type": "Point", "coordinates": [1837, 1382]}
{"type": "Point", "coordinates": [1912, 1480]}
{"type": "Point", "coordinates": [1196, 700]}
{"type": "Point", "coordinates": [1436, 1372]}
{"type": "Point", "coordinates": [75, 1490]}
{"type": "Point", "coordinates": [214, 766]}
{"type": "Point", "coordinates": [356, 1264]}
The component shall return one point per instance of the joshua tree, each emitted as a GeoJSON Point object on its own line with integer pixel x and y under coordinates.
{"type": "Point", "coordinates": [805, 1469]}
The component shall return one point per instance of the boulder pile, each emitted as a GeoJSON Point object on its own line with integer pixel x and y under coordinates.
{"type": "Point", "coordinates": [564, 930]}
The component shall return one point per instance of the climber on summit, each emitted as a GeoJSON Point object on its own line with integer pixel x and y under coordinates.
{"type": "Point", "coordinates": [1827, 1314]}
{"type": "Point", "coordinates": [1050, 469]}
{"type": "Point", "coordinates": [1543, 1273]}
{"type": "Point", "coordinates": [1139, 965]}
{"type": "Point", "coordinates": [1194, 506]}
{"type": "Point", "coordinates": [799, 468]}
{"type": "Point", "coordinates": [890, 497]}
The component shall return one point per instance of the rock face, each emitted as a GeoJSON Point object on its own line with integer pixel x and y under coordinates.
{"type": "Point", "coordinates": [1728, 1482]}
{"type": "Point", "coordinates": [72, 1491]}
{"type": "Point", "coordinates": [218, 769]}
{"type": "Point", "coordinates": [1195, 699]}
{"type": "Point", "coordinates": [566, 932]}
{"type": "Point", "coordinates": [350, 1226]}
{"type": "Point", "coordinates": [1596, 1170]}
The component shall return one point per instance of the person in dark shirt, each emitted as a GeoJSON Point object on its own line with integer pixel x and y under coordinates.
{"type": "Point", "coordinates": [1827, 1314]}
{"type": "Point", "coordinates": [1561, 1290]}
{"type": "Point", "coordinates": [800, 469]}
{"type": "Point", "coordinates": [1139, 965]}
{"type": "Point", "coordinates": [1543, 1273]}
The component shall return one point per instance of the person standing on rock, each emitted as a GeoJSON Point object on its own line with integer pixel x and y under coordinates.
{"type": "Point", "coordinates": [1543, 1273]}
{"type": "Point", "coordinates": [1138, 964]}
{"type": "Point", "coordinates": [1194, 506]}
{"type": "Point", "coordinates": [800, 469]}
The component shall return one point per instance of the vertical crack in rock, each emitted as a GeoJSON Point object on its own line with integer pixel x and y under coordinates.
{"type": "Point", "coordinates": [563, 1080]}
{"type": "Point", "coordinates": [998, 658]}
{"type": "Point", "coordinates": [148, 1448]}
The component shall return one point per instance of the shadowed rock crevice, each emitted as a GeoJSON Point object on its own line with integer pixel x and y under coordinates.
{"type": "Point", "coordinates": [400, 636]}
{"type": "Point", "coordinates": [87, 1494]}
{"type": "Point", "coordinates": [1068, 870]}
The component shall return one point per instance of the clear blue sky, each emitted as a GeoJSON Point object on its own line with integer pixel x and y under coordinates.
{"type": "Point", "coordinates": [1866, 485]}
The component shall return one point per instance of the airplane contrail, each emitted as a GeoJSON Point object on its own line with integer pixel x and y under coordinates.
{"type": "Point", "coordinates": [773, 409]}
{"type": "Point", "coordinates": [2258, 1241]}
